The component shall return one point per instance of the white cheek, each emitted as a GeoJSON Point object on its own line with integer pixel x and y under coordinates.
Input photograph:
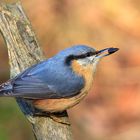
{"type": "Point", "coordinates": [83, 62]}
{"type": "Point", "coordinates": [95, 65]}
{"type": "Point", "coordinates": [91, 58]}
{"type": "Point", "coordinates": [86, 61]}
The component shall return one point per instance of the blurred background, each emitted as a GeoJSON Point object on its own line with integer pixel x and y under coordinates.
{"type": "Point", "coordinates": [111, 111]}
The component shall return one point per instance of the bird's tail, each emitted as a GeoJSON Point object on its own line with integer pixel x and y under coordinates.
{"type": "Point", "coordinates": [6, 89]}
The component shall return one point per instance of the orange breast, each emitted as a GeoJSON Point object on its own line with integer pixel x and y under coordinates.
{"type": "Point", "coordinates": [57, 105]}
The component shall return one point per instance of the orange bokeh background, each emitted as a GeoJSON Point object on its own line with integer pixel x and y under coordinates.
{"type": "Point", "coordinates": [111, 111]}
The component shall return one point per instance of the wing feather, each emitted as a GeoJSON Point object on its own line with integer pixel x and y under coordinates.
{"type": "Point", "coordinates": [39, 82]}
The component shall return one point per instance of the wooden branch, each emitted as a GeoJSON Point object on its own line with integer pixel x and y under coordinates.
{"type": "Point", "coordinates": [24, 51]}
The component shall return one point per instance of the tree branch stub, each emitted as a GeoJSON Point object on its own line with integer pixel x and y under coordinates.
{"type": "Point", "coordinates": [24, 51]}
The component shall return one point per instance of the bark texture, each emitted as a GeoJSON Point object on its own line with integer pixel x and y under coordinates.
{"type": "Point", "coordinates": [24, 51]}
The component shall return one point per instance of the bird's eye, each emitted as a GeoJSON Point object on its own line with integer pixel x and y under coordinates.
{"type": "Point", "coordinates": [88, 54]}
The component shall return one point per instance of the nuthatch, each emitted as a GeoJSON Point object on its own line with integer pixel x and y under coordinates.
{"type": "Point", "coordinates": [60, 82]}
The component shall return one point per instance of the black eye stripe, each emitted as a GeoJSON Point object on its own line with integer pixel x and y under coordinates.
{"type": "Point", "coordinates": [75, 57]}
{"type": "Point", "coordinates": [89, 54]}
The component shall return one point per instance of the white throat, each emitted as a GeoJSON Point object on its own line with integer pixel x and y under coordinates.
{"type": "Point", "coordinates": [92, 60]}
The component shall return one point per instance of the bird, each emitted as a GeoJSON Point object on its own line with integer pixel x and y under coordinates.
{"type": "Point", "coordinates": [60, 82]}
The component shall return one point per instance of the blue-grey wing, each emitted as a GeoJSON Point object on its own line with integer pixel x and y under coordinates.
{"type": "Point", "coordinates": [32, 88]}
{"type": "Point", "coordinates": [42, 81]}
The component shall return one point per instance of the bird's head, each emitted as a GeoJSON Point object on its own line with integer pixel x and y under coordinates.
{"type": "Point", "coordinates": [85, 55]}
{"type": "Point", "coordinates": [82, 59]}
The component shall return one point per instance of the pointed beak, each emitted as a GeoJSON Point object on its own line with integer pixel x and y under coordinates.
{"type": "Point", "coordinates": [106, 52]}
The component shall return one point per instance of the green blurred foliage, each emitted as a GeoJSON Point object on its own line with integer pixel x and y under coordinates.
{"type": "Point", "coordinates": [112, 109]}
{"type": "Point", "coordinates": [13, 125]}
